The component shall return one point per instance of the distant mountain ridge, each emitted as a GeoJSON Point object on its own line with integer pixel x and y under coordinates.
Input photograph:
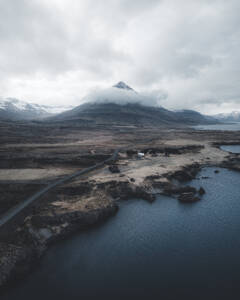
{"type": "Point", "coordinates": [131, 114]}
{"type": "Point", "coordinates": [117, 105]}
{"type": "Point", "coordinates": [14, 109]}
{"type": "Point", "coordinates": [234, 116]}
{"type": "Point", "coordinates": [121, 105]}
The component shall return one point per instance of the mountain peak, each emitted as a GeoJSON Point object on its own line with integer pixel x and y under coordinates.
{"type": "Point", "coordinates": [122, 85]}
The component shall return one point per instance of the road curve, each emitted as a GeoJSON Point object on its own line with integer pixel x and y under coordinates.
{"type": "Point", "coordinates": [10, 214]}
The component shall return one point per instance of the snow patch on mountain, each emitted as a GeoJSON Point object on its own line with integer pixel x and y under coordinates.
{"type": "Point", "coordinates": [229, 117]}
{"type": "Point", "coordinates": [14, 109]}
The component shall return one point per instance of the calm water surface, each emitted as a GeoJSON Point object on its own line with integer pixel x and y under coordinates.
{"type": "Point", "coordinates": [226, 126]}
{"type": "Point", "coordinates": [231, 148]}
{"type": "Point", "coordinates": [164, 250]}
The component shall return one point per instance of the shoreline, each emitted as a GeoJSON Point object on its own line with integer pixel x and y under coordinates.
{"type": "Point", "coordinates": [91, 201]}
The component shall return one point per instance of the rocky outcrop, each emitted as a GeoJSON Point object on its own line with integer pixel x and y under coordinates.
{"type": "Point", "coordinates": [172, 189]}
{"type": "Point", "coordinates": [66, 223]}
{"type": "Point", "coordinates": [185, 194]}
{"type": "Point", "coordinates": [173, 149]}
{"type": "Point", "coordinates": [143, 193]}
{"type": "Point", "coordinates": [27, 244]}
{"type": "Point", "coordinates": [114, 169]}
{"type": "Point", "coordinates": [187, 173]}
{"type": "Point", "coordinates": [130, 153]}
{"type": "Point", "coordinates": [188, 198]}
{"type": "Point", "coordinates": [233, 163]}
{"type": "Point", "coordinates": [16, 259]}
{"type": "Point", "coordinates": [124, 190]}
{"type": "Point", "coordinates": [201, 191]}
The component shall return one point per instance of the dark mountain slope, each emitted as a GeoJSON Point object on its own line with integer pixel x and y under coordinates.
{"type": "Point", "coordinates": [131, 114]}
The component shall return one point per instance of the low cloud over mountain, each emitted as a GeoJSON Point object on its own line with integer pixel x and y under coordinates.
{"type": "Point", "coordinates": [122, 105]}
{"type": "Point", "coordinates": [122, 94]}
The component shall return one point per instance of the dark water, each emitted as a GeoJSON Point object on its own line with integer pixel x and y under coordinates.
{"type": "Point", "coordinates": [225, 126]}
{"type": "Point", "coordinates": [231, 148]}
{"type": "Point", "coordinates": [164, 250]}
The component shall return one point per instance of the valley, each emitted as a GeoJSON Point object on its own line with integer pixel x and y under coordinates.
{"type": "Point", "coordinates": [33, 155]}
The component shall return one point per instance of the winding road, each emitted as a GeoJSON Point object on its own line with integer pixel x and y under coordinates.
{"type": "Point", "coordinates": [10, 214]}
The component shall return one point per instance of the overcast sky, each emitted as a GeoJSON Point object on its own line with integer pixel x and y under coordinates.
{"type": "Point", "coordinates": [56, 51]}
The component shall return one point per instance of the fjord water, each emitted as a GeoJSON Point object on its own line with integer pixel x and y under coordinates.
{"type": "Point", "coordinates": [223, 126]}
{"type": "Point", "coordinates": [163, 250]}
{"type": "Point", "coordinates": [231, 148]}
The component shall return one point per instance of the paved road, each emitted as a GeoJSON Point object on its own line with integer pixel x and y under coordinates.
{"type": "Point", "coordinates": [10, 214]}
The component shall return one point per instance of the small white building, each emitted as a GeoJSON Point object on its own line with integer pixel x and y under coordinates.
{"type": "Point", "coordinates": [140, 154]}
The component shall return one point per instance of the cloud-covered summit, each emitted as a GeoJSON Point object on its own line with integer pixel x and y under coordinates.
{"type": "Point", "coordinates": [122, 94]}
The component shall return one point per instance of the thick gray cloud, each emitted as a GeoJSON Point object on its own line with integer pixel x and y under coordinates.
{"type": "Point", "coordinates": [57, 51]}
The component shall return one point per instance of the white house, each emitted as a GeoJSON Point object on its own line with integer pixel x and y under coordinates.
{"type": "Point", "coordinates": [140, 155]}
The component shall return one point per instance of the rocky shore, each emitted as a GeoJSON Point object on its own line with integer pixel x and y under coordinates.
{"type": "Point", "coordinates": [86, 202]}
{"type": "Point", "coordinates": [24, 248]}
